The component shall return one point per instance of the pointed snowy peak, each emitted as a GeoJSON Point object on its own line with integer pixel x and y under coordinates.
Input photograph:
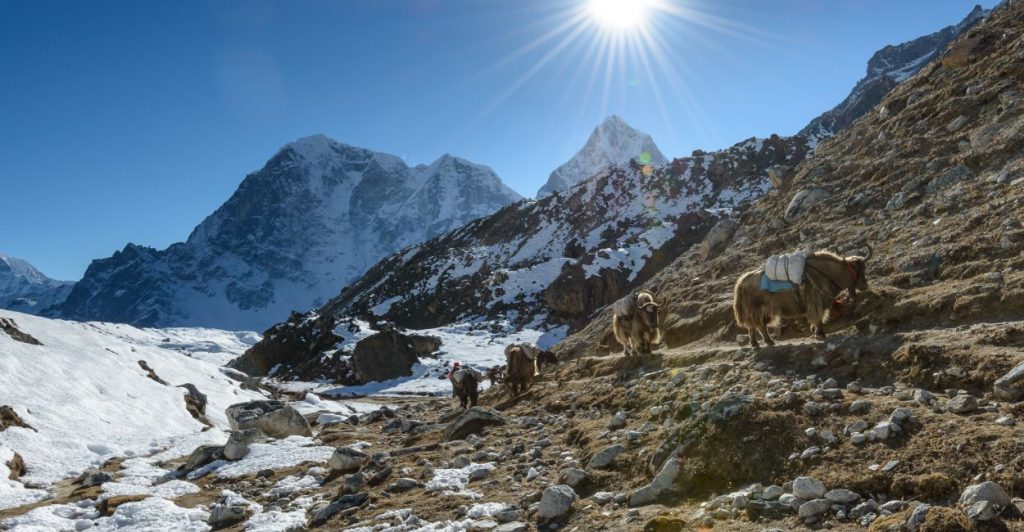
{"type": "Point", "coordinates": [26, 289]}
{"type": "Point", "coordinates": [612, 142]}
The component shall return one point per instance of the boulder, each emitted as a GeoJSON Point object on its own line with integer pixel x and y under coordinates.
{"type": "Point", "coordinates": [842, 496]}
{"type": "Point", "coordinates": [17, 468]}
{"type": "Point", "coordinates": [813, 508]}
{"type": "Point", "coordinates": [556, 502]}
{"type": "Point", "coordinates": [204, 454]}
{"type": "Point", "coordinates": [389, 355]}
{"type": "Point", "coordinates": [717, 238]}
{"type": "Point", "coordinates": [986, 491]}
{"type": "Point", "coordinates": [93, 477]}
{"type": "Point", "coordinates": [223, 515]}
{"type": "Point", "coordinates": [195, 403]}
{"type": "Point", "coordinates": [321, 513]}
{"type": "Point", "coordinates": [962, 404]}
{"type": "Point", "coordinates": [605, 457]}
{"type": "Point", "coordinates": [237, 446]}
{"type": "Point", "coordinates": [274, 418]}
{"type": "Point", "coordinates": [300, 340]}
{"type": "Point", "coordinates": [802, 202]}
{"type": "Point", "coordinates": [1010, 387]}
{"type": "Point", "coordinates": [808, 488]}
{"type": "Point", "coordinates": [664, 482]}
{"type": "Point", "coordinates": [982, 511]}
{"type": "Point", "coordinates": [347, 460]}
{"type": "Point", "coordinates": [472, 421]}
{"type": "Point", "coordinates": [573, 477]}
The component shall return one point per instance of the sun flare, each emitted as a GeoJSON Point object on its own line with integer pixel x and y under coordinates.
{"type": "Point", "coordinates": [619, 15]}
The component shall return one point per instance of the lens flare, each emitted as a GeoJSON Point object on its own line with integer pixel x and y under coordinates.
{"type": "Point", "coordinates": [619, 15]}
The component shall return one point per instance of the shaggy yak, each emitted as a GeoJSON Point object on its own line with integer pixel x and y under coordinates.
{"type": "Point", "coordinates": [636, 325]}
{"type": "Point", "coordinates": [825, 276]}
{"type": "Point", "coordinates": [523, 363]}
{"type": "Point", "coordinates": [465, 384]}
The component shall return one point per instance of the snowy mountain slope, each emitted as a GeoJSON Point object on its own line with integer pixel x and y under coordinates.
{"type": "Point", "coordinates": [26, 289]}
{"type": "Point", "coordinates": [553, 261]}
{"type": "Point", "coordinates": [314, 218]}
{"type": "Point", "coordinates": [887, 68]}
{"type": "Point", "coordinates": [88, 400]}
{"type": "Point", "coordinates": [613, 142]}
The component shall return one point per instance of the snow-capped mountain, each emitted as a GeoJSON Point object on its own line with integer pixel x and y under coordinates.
{"type": "Point", "coordinates": [314, 218]}
{"type": "Point", "coordinates": [613, 142]}
{"type": "Point", "coordinates": [25, 289]}
{"type": "Point", "coordinates": [887, 68]}
{"type": "Point", "coordinates": [556, 260]}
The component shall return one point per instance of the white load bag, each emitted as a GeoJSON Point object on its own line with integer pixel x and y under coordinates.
{"type": "Point", "coordinates": [789, 267]}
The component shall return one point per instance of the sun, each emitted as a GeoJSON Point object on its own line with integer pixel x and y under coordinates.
{"type": "Point", "coordinates": [619, 15]}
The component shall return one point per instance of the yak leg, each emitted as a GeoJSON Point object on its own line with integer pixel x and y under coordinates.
{"type": "Point", "coordinates": [763, 327]}
{"type": "Point", "coordinates": [473, 398]}
{"type": "Point", "coordinates": [462, 400]}
{"type": "Point", "coordinates": [819, 331]}
{"type": "Point", "coordinates": [752, 333]}
{"type": "Point", "coordinates": [638, 341]}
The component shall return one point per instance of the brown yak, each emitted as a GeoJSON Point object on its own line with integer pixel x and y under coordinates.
{"type": "Point", "coordinates": [635, 323]}
{"type": "Point", "coordinates": [523, 363]}
{"type": "Point", "coordinates": [825, 276]}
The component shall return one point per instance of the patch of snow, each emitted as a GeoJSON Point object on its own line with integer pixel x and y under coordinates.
{"type": "Point", "coordinates": [455, 481]}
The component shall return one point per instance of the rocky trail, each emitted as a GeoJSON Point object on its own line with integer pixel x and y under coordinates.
{"type": "Point", "coordinates": [866, 430]}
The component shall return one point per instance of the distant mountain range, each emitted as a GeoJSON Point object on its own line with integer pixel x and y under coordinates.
{"type": "Point", "coordinates": [314, 218]}
{"type": "Point", "coordinates": [25, 289]}
{"type": "Point", "coordinates": [320, 214]}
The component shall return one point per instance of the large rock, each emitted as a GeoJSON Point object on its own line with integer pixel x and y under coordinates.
{"type": "Point", "coordinates": [238, 443]}
{"type": "Point", "coordinates": [472, 421]}
{"type": "Point", "coordinates": [556, 502]}
{"type": "Point", "coordinates": [605, 457]}
{"type": "Point", "coordinates": [223, 515]}
{"type": "Point", "coordinates": [204, 454]}
{"type": "Point", "coordinates": [808, 488]}
{"type": "Point", "coordinates": [803, 201]}
{"type": "Point", "coordinates": [343, 504]}
{"type": "Point", "coordinates": [664, 482]}
{"type": "Point", "coordinates": [10, 418]}
{"type": "Point", "coordinates": [717, 238]}
{"type": "Point", "coordinates": [1010, 387]}
{"type": "Point", "coordinates": [301, 339]}
{"type": "Point", "coordinates": [347, 460]}
{"type": "Point", "coordinates": [274, 418]}
{"type": "Point", "coordinates": [389, 355]}
{"type": "Point", "coordinates": [986, 491]}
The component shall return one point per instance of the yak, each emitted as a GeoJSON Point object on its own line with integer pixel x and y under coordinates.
{"type": "Point", "coordinates": [465, 384]}
{"type": "Point", "coordinates": [636, 324]}
{"type": "Point", "coordinates": [826, 275]}
{"type": "Point", "coordinates": [523, 363]}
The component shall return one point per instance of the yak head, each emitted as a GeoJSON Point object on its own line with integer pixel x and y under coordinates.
{"type": "Point", "coordinates": [647, 308]}
{"type": "Point", "coordinates": [860, 267]}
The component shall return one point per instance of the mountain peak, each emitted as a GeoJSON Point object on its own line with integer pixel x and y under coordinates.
{"type": "Point", "coordinates": [26, 289]}
{"type": "Point", "coordinates": [612, 142]}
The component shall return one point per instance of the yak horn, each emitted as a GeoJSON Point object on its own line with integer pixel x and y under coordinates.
{"type": "Point", "coordinates": [871, 251]}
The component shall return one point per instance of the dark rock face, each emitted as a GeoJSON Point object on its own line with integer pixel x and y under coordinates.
{"type": "Point", "coordinates": [315, 217]}
{"type": "Point", "coordinates": [293, 346]}
{"type": "Point", "coordinates": [389, 355]}
{"type": "Point", "coordinates": [886, 69]}
{"type": "Point", "coordinates": [9, 418]}
{"type": "Point", "coordinates": [472, 421]}
{"type": "Point", "coordinates": [8, 326]}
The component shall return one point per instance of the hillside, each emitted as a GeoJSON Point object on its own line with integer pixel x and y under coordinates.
{"type": "Point", "coordinates": [315, 217]}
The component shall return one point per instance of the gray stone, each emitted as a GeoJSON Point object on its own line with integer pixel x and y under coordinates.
{"type": "Point", "coordinates": [405, 484]}
{"type": "Point", "coordinates": [1006, 421]}
{"type": "Point", "coordinates": [813, 508]}
{"type": "Point", "coordinates": [810, 452]}
{"type": "Point", "coordinates": [605, 457]}
{"type": "Point", "coordinates": [346, 460]}
{"type": "Point", "coordinates": [321, 513]}
{"type": "Point", "coordinates": [482, 525]}
{"type": "Point", "coordinates": [802, 201]}
{"type": "Point", "coordinates": [203, 455]}
{"type": "Point", "coordinates": [1010, 387]}
{"type": "Point", "coordinates": [857, 426]}
{"type": "Point", "coordinates": [472, 421]}
{"type": "Point", "coordinates": [618, 421]}
{"type": "Point", "coordinates": [864, 508]}
{"type": "Point", "coordinates": [956, 124]}
{"type": "Point", "coordinates": [93, 477]}
{"type": "Point", "coordinates": [986, 491]}
{"type": "Point", "coordinates": [842, 496]}
{"type": "Point", "coordinates": [514, 526]}
{"type": "Point", "coordinates": [982, 511]}
{"type": "Point", "coordinates": [808, 488]}
{"type": "Point", "coordinates": [237, 446]}
{"type": "Point", "coordinates": [224, 515]}
{"type": "Point", "coordinates": [962, 404]}
{"type": "Point", "coordinates": [573, 477]}
{"type": "Point", "coordinates": [663, 482]}
{"type": "Point", "coordinates": [772, 492]}
{"type": "Point", "coordinates": [893, 506]}
{"type": "Point", "coordinates": [918, 516]}
{"type": "Point", "coordinates": [602, 498]}
{"type": "Point", "coordinates": [901, 415]}
{"type": "Point", "coordinates": [858, 438]}
{"type": "Point", "coordinates": [924, 396]}
{"type": "Point", "coordinates": [274, 418]}
{"type": "Point", "coordinates": [860, 406]}
{"type": "Point", "coordinates": [556, 502]}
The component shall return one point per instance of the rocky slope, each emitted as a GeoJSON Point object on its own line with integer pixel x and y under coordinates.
{"type": "Point", "coordinates": [25, 289]}
{"type": "Point", "coordinates": [886, 69]}
{"type": "Point", "coordinates": [612, 143]}
{"type": "Point", "coordinates": [315, 217]}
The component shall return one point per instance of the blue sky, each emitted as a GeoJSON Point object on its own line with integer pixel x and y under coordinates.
{"type": "Point", "coordinates": [129, 121]}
